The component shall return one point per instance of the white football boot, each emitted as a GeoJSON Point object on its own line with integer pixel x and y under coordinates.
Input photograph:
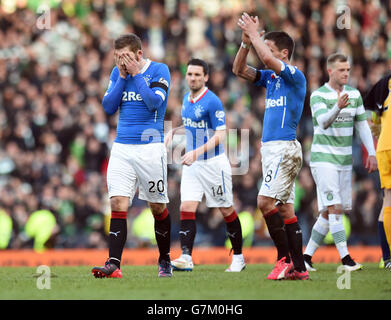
{"type": "Point", "coordinates": [355, 267]}
{"type": "Point", "coordinates": [183, 263]}
{"type": "Point", "coordinates": [309, 266]}
{"type": "Point", "coordinates": [237, 264]}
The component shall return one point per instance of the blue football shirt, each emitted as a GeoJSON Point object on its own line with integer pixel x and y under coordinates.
{"type": "Point", "coordinates": [285, 94]}
{"type": "Point", "coordinates": [137, 123]}
{"type": "Point", "coordinates": [201, 117]}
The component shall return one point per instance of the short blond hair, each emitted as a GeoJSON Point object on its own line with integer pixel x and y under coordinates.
{"type": "Point", "coordinates": [336, 57]}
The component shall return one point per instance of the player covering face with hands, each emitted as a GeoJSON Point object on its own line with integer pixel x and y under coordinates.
{"type": "Point", "coordinates": [138, 90]}
{"type": "Point", "coordinates": [128, 62]}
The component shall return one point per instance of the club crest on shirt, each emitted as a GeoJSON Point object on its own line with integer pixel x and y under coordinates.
{"type": "Point", "coordinates": [198, 111]}
{"type": "Point", "coordinates": [147, 79]}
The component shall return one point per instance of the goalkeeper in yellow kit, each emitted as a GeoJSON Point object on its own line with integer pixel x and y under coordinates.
{"type": "Point", "coordinates": [379, 100]}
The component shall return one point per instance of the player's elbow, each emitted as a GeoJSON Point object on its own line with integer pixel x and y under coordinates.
{"type": "Point", "coordinates": [152, 105]}
{"type": "Point", "coordinates": [235, 70]}
{"type": "Point", "coordinates": [152, 108]}
{"type": "Point", "coordinates": [108, 107]}
{"type": "Point", "coordinates": [324, 125]}
{"type": "Point", "coordinates": [155, 102]}
{"type": "Point", "coordinates": [238, 70]}
{"type": "Point", "coordinates": [323, 122]}
{"type": "Point", "coordinates": [109, 112]}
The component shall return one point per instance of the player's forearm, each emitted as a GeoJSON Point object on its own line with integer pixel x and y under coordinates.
{"type": "Point", "coordinates": [172, 132]}
{"type": "Point", "coordinates": [150, 98]}
{"type": "Point", "coordinates": [178, 130]}
{"type": "Point", "coordinates": [112, 99]}
{"type": "Point", "coordinates": [264, 53]}
{"type": "Point", "coordinates": [326, 119]}
{"type": "Point", "coordinates": [366, 136]}
{"type": "Point", "coordinates": [218, 138]}
{"type": "Point", "coordinates": [239, 67]}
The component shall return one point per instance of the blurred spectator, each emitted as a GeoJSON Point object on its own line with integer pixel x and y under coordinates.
{"type": "Point", "coordinates": [142, 229]}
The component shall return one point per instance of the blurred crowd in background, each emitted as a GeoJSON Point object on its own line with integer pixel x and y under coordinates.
{"type": "Point", "coordinates": [55, 137]}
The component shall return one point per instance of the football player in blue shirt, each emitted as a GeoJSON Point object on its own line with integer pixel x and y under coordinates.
{"type": "Point", "coordinates": [138, 90]}
{"type": "Point", "coordinates": [206, 169]}
{"type": "Point", "coordinates": [281, 152]}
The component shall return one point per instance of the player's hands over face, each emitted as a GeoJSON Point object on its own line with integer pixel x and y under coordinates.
{"type": "Point", "coordinates": [189, 157]}
{"type": "Point", "coordinates": [371, 164]}
{"type": "Point", "coordinates": [249, 25]}
{"type": "Point", "coordinates": [119, 63]}
{"type": "Point", "coordinates": [131, 64]}
{"type": "Point", "coordinates": [343, 101]}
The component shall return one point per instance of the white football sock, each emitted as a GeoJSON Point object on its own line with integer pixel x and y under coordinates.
{"type": "Point", "coordinates": [337, 230]}
{"type": "Point", "coordinates": [319, 231]}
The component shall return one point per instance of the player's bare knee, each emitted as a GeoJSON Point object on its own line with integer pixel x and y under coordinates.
{"type": "Point", "coordinates": [226, 211]}
{"type": "Point", "coordinates": [119, 203]}
{"type": "Point", "coordinates": [325, 215]}
{"type": "Point", "coordinates": [265, 204]}
{"type": "Point", "coordinates": [287, 211]}
{"type": "Point", "coordinates": [335, 209]}
{"type": "Point", "coordinates": [157, 208]}
{"type": "Point", "coordinates": [189, 206]}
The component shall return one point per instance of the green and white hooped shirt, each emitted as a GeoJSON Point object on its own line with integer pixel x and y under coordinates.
{"type": "Point", "coordinates": [332, 147]}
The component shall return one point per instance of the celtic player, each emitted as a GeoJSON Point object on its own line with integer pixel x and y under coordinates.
{"type": "Point", "coordinates": [336, 109]}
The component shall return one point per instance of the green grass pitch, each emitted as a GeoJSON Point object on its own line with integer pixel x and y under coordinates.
{"type": "Point", "coordinates": [207, 282]}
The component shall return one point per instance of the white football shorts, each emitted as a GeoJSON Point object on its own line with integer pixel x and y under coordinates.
{"type": "Point", "coordinates": [281, 163]}
{"type": "Point", "coordinates": [333, 187]}
{"type": "Point", "coordinates": [138, 165]}
{"type": "Point", "coordinates": [212, 178]}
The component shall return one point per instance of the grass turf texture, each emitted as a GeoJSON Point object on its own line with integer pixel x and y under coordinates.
{"type": "Point", "coordinates": [205, 282]}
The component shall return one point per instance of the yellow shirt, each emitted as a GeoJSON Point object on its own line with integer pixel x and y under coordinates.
{"type": "Point", "coordinates": [384, 142]}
